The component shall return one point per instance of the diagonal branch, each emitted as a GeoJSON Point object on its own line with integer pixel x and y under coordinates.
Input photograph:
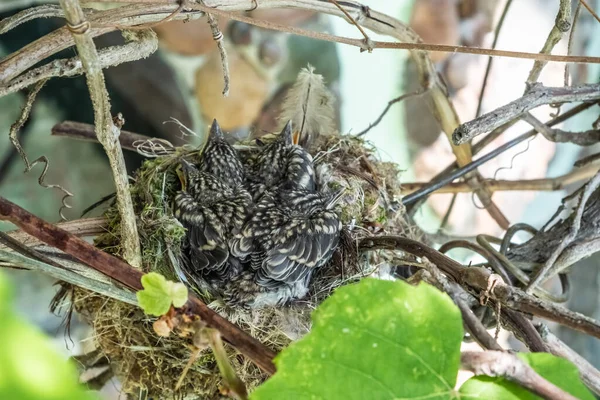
{"type": "Point", "coordinates": [123, 273]}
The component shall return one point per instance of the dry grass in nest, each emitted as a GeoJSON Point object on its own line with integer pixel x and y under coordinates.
{"type": "Point", "coordinates": [142, 359]}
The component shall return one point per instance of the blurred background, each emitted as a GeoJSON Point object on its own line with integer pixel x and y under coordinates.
{"type": "Point", "coordinates": [183, 80]}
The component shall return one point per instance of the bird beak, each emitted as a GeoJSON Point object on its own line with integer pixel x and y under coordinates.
{"type": "Point", "coordinates": [296, 137]}
{"type": "Point", "coordinates": [286, 133]}
{"type": "Point", "coordinates": [335, 198]}
{"type": "Point", "coordinates": [215, 130]}
{"type": "Point", "coordinates": [184, 171]}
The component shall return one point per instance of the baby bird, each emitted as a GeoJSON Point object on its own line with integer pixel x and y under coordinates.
{"type": "Point", "coordinates": [220, 159]}
{"type": "Point", "coordinates": [281, 162]}
{"type": "Point", "coordinates": [292, 233]}
{"type": "Point", "coordinates": [212, 212]}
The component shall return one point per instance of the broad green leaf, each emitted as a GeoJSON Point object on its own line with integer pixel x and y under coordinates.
{"type": "Point", "coordinates": [159, 293]}
{"type": "Point", "coordinates": [554, 369]}
{"type": "Point", "coordinates": [30, 366]}
{"type": "Point", "coordinates": [179, 294]}
{"type": "Point", "coordinates": [373, 340]}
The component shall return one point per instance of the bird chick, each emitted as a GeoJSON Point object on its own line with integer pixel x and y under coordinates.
{"type": "Point", "coordinates": [292, 233]}
{"type": "Point", "coordinates": [281, 162]}
{"type": "Point", "coordinates": [212, 212]}
{"type": "Point", "coordinates": [220, 159]}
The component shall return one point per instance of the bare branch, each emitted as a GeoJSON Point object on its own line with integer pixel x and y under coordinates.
{"type": "Point", "coordinates": [591, 186]}
{"type": "Point", "coordinates": [562, 24]}
{"type": "Point", "coordinates": [130, 277]}
{"type": "Point", "coordinates": [538, 95]}
{"type": "Point", "coordinates": [140, 45]}
{"type": "Point", "coordinates": [589, 374]}
{"type": "Point", "coordinates": [106, 130]}
{"type": "Point", "coordinates": [512, 368]}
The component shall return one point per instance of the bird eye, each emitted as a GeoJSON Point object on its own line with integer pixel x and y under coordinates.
{"type": "Point", "coordinates": [259, 142]}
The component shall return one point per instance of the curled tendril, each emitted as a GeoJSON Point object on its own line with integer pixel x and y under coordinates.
{"type": "Point", "coordinates": [511, 166]}
{"type": "Point", "coordinates": [14, 129]}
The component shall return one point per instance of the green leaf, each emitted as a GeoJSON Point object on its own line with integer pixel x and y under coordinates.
{"type": "Point", "coordinates": [159, 294]}
{"type": "Point", "coordinates": [373, 340]}
{"type": "Point", "coordinates": [554, 369]}
{"type": "Point", "coordinates": [30, 366]}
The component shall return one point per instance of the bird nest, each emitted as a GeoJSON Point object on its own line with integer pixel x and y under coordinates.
{"type": "Point", "coordinates": [144, 361]}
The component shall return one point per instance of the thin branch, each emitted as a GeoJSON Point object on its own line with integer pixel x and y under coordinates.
{"type": "Point", "coordinates": [390, 103]}
{"type": "Point", "coordinates": [367, 40]}
{"type": "Point", "coordinates": [562, 24]}
{"type": "Point", "coordinates": [588, 373]}
{"type": "Point", "coordinates": [538, 95]}
{"type": "Point", "coordinates": [590, 187]}
{"type": "Point", "coordinates": [512, 368]}
{"type": "Point", "coordinates": [79, 227]}
{"type": "Point", "coordinates": [45, 11]}
{"type": "Point", "coordinates": [544, 184]}
{"type": "Point", "coordinates": [218, 38]}
{"type": "Point", "coordinates": [106, 130]}
{"type": "Point", "coordinates": [570, 43]}
{"type": "Point", "coordinates": [460, 298]}
{"type": "Point", "coordinates": [128, 276]}
{"type": "Point", "coordinates": [587, 138]}
{"type": "Point", "coordinates": [488, 68]}
{"type": "Point", "coordinates": [80, 131]}
{"type": "Point", "coordinates": [140, 45]}
{"type": "Point", "coordinates": [590, 9]}
{"type": "Point", "coordinates": [449, 174]}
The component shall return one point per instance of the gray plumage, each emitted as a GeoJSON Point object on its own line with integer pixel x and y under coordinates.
{"type": "Point", "coordinates": [220, 159]}
{"type": "Point", "coordinates": [291, 234]}
{"type": "Point", "coordinates": [281, 162]}
{"type": "Point", "coordinates": [212, 212]}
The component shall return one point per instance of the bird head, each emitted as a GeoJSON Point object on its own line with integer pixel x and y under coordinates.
{"type": "Point", "coordinates": [215, 131]}
{"type": "Point", "coordinates": [288, 135]}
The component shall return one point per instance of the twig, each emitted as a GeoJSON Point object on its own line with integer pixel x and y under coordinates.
{"type": "Point", "coordinates": [512, 368]}
{"type": "Point", "coordinates": [589, 374]}
{"type": "Point", "coordinates": [460, 297]}
{"type": "Point", "coordinates": [586, 138]}
{"type": "Point", "coordinates": [123, 273]}
{"type": "Point", "coordinates": [387, 108]}
{"type": "Point", "coordinates": [571, 38]}
{"type": "Point", "coordinates": [106, 130]}
{"type": "Point", "coordinates": [488, 68]}
{"type": "Point", "coordinates": [590, 9]}
{"type": "Point", "coordinates": [218, 38]}
{"type": "Point", "coordinates": [68, 273]}
{"type": "Point", "coordinates": [448, 174]}
{"type": "Point", "coordinates": [85, 132]}
{"type": "Point", "coordinates": [45, 11]}
{"type": "Point", "coordinates": [538, 95]}
{"type": "Point", "coordinates": [562, 24]}
{"type": "Point", "coordinates": [79, 227]}
{"type": "Point", "coordinates": [591, 186]}
{"type": "Point", "coordinates": [140, 45]}
{"type": "Point", "coordinates": [544, 184]}
{"type": "Point", "coordinates": [367, 40]}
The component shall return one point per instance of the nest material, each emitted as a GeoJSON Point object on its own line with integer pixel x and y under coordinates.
{"type": "Point", "coordinates": [143, 360]}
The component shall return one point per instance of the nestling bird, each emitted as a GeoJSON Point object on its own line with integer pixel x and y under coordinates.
{"type": "Point", "coordinates": [212, 212]}
{"type": "Point", "coordinates": [292, 233]}
{"type": "Point", "coordinates": [220, 159]}
{"type": "Point", "coordinates": [281, 162]}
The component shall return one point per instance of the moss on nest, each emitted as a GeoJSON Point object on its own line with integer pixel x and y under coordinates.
{"type": "Point", "coordinates": [141, 359]}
